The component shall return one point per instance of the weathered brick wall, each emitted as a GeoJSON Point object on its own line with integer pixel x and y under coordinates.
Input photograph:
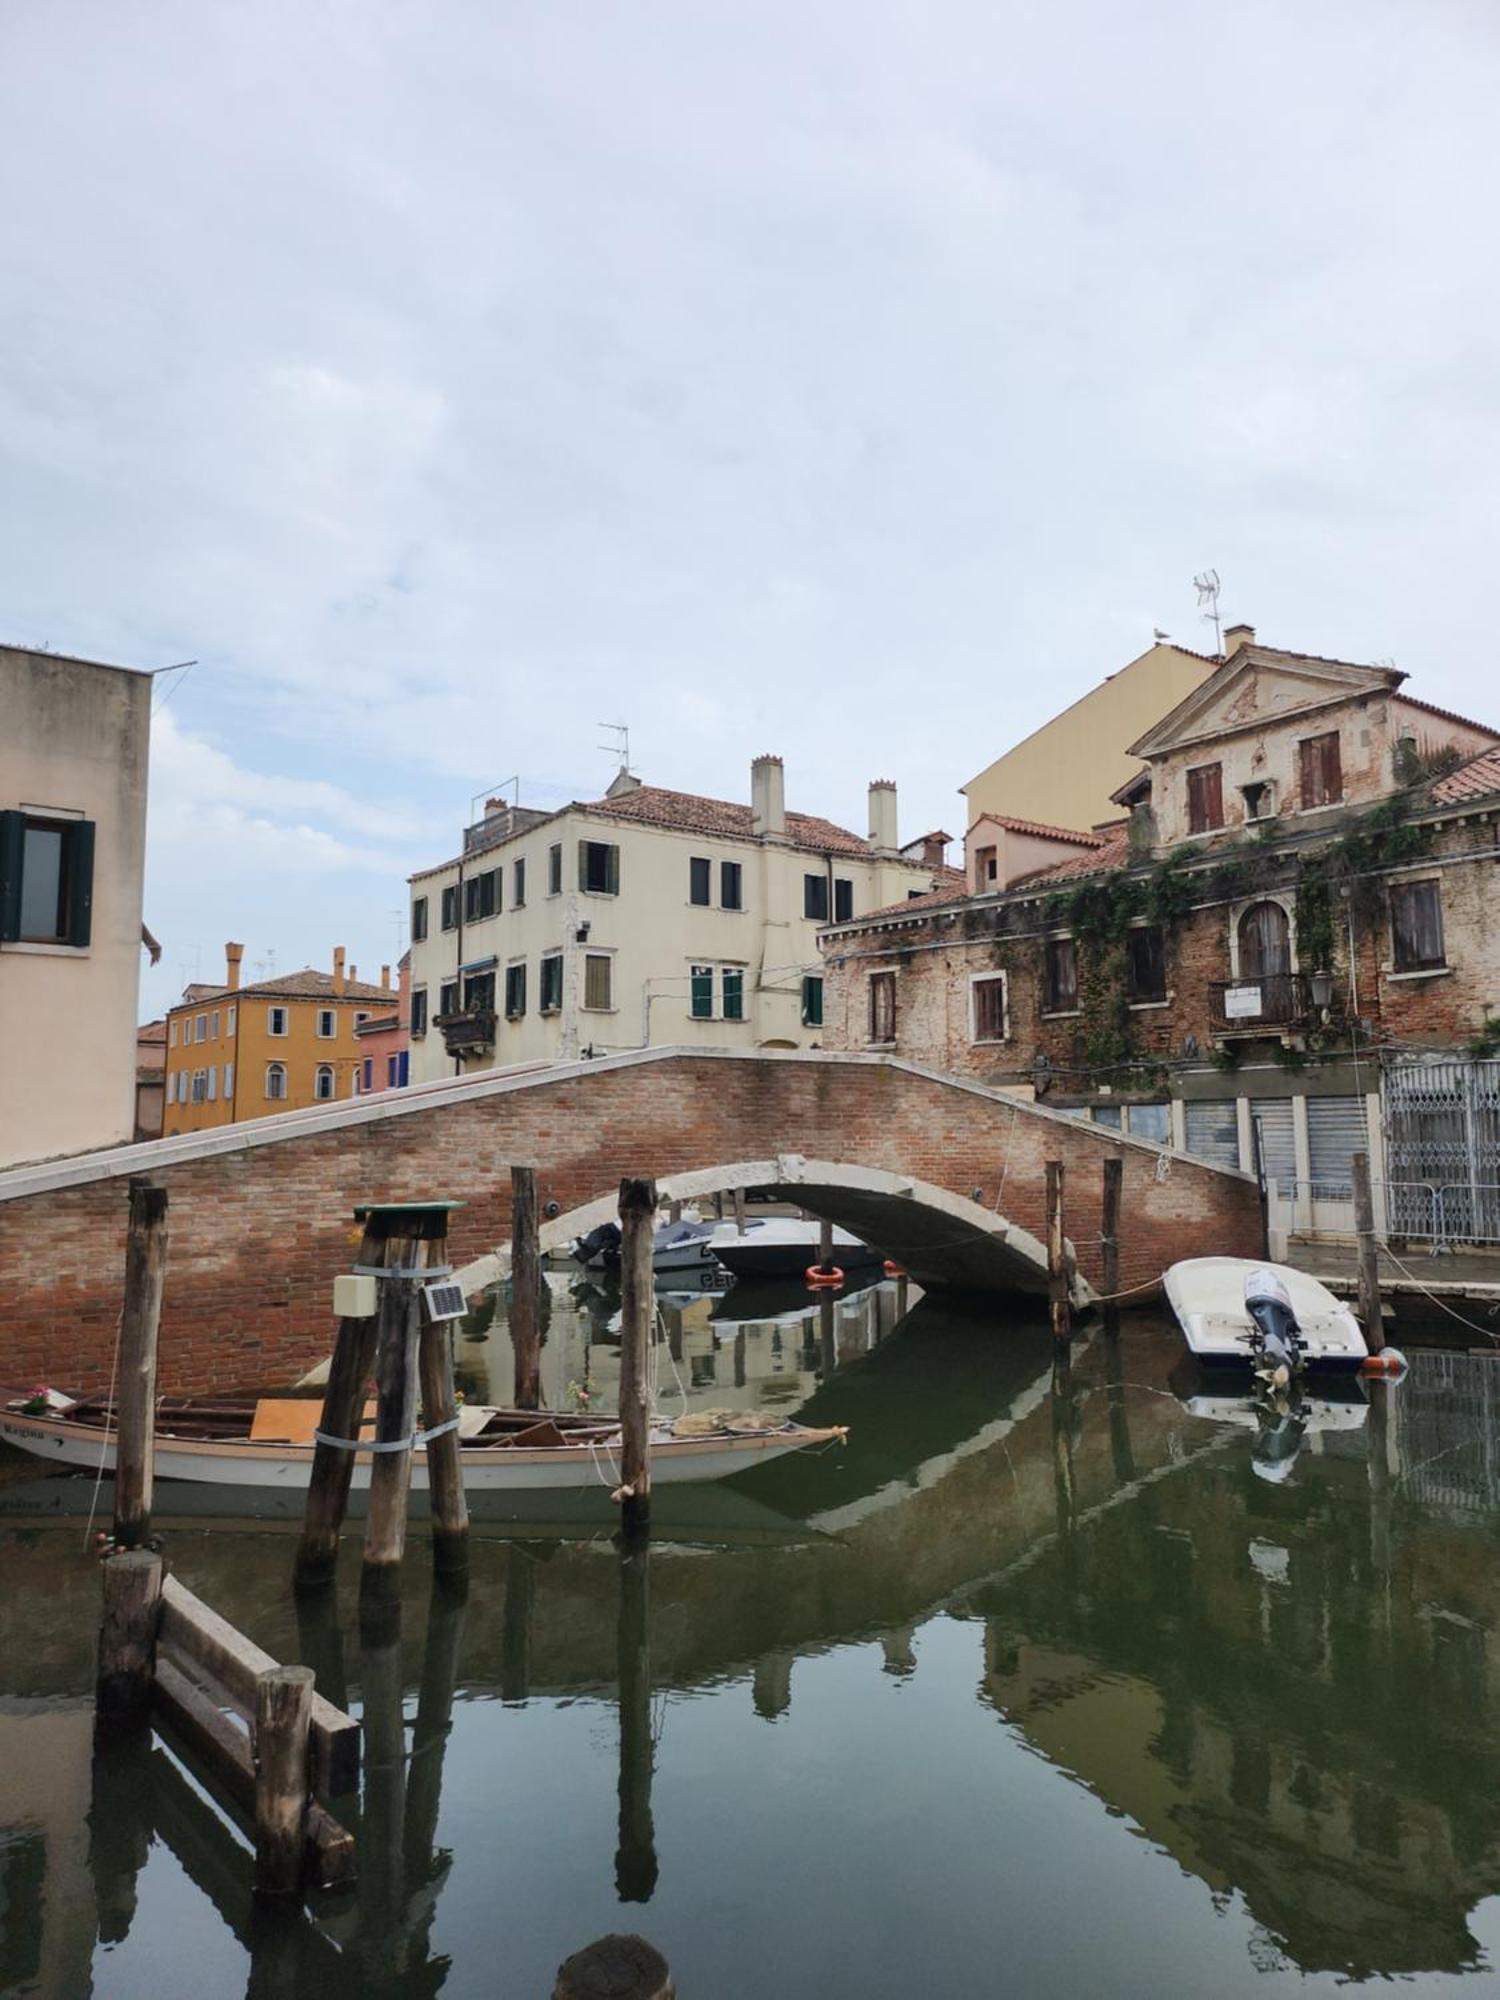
{"type": "Point", "coordinates": [257, 1235]}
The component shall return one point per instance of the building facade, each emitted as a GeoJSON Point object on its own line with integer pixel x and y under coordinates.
{"type": "Point", "coordinates": [74, 748]}
{"type": "Point", "coordinates": [383, 1042]}
{"type": "Point", "coordinates": [645, 917]}
{"type": "Point", "coordinates": [1303, 893]}
{"type": "Point", "coordinates": [237, 1052]}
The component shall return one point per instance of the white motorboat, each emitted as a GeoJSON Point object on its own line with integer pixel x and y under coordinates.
{"type": "Point", "coordinates": [1269, 1318]}
{"type": "Point", "coordinates": [676, 1246]}
{"type": "Point", "coordinates": [780, 1246]}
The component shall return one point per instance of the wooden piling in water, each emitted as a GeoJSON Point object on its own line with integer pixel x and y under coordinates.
{"type": "Point", "coordinates": [1109, 1243]}
{"type": "Point", "coordinates": [445, 1475]}
{"type": "Point", "coordinates": [343, 1407]}
{"type": "Point", "coordinates": [397, 1330]}
{"type": "Point", "coordinates": [127, 1636]}
{"type": "Point", "coordinates": [637, 1317]}
{"type": "Point", "coordinates": [1367, 1302]}
{"type": "Point", "coordinates": [525, 1288]}
{"type": "Point", "coordinates": [1057, 1263]}
{"type": "Point", "coordinates": [135, 1407]}
{"type": "Point", "coordinates": [283, 1711]}
{"type": "Point", "coordinates": [739, 1210]}
{"type": "Point", "coordinates": [825, 1246]}
{"type": "Point", "coordinates": [635, 1856]}
{"type": "Point", "coordinates": [615, 1968]}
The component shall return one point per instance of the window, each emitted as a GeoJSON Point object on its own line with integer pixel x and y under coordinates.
{"type": "Point", "coordinates": [361, 1016]}
{"type": "Point", "coordinates": [200, 1028]}
{"type": "Point", "coordinates": [1260, 799]}
{"type": "Point", "coordinates": [986, 868]}
{"type": "Point", "coordinates": [229, 1024]}
{"type": "Point", "coordinates": [598, 868]}
{"type": "Point", "coordinates": [1145, 963]}
{"type": "Point", "coordinates": [200, 1085]}
{"type": "Point", "coordinates": [1152, 1122]}
{"type": "Point", "coordinates": [276, 1020]}
{"type": "Point", "coordinates": [700, 880]}
{"type": "Point", "coordinates": [554, 869]}
{"type": "Point", "coordinates": [323, 1083]}
{"type": "Point", "coordinates": [1417, 926]}
{"type": "Point", "coordinates": [549, 984]}
{"type": "Point", "coordinates": [228, 1081]}
{"type": "Point", "coordinates": [812, 1001]}
{"type": "Point", "coordinates": [701, 992]}
{"type": "Point", "coordinates": [46, 879]}
{"type": "Point", "coordinates": [213, 1083]}
{"type": "Point", "coordinates": [1205, 798]}
{"type": "Point", "coordinates": [987, 1021]}
{"type": "Point", "coordinates": [1060, 977]}
{"type": "Point", "coordinates": [482, 896]}
{"type": "Point", "coordinates": [447, 998]}
{"type": "Point", "coordinates": [419, 1010]}
{"type": "Point", "coordinates": [734, 993]}
{"type": "Point", "coordinates": [731, 886]}
{"type": "Point", "coordinates": [882, 1006]}
{"type": "Point", "coordinates": [1264, 935]}
{"type": "Point", "coordinates": [598, 981]}
{"type": "Point", "coordinates": [1320, 771]}
{"type": "Point", "coordinates": [843, 902]}
{"type": "Point", "coordinates": [479, 993]}
{"type": "Point", "coordinates": [171, 1034]}
{"type": "Point", "coordinates": [275, 1082]}
{"type": "Point", "coordinates": [367, 1074]}
{"type": "Point", "coordinates": [450, 907]}
{"type": "Point", "coordinates": [418, 919]}
{"type": "Point", "coordinates": [518, 883]}
{"type": "Point", "coordinates": [213, 1025]}
{"type": "Point", "coordinates": [515, 992]}
{"type": "Point", "coordinates": [815, 898]}
{"type": "Point", "coordinates": [396, 1071]}
{"type": "Point", "coordinates": [328, 1025]}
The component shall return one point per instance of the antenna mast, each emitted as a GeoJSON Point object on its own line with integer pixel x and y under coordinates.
{"type": "Point", "coordinates": [621, 747]}
{"type": "Point", "coordinates": [1207, 587]}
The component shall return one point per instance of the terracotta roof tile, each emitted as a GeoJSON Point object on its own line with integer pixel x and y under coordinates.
{"type": "Point", "coordinates": [685, 812]}
{"type": "Point", "coordinates": [1447, 714]}
{"type": "Point", "coordinates": [1475, 780]}
{"type": "Point", "coordinates": [306, 985]}
{"type": "Point", "coordinates": [1112, 852]}
{"type": "Point", "coordinates": [1040, 831]}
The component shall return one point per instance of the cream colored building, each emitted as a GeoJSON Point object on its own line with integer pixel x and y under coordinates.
{"type": "Point", "coordinates": [645, 917]}
{"type": "Point", "coordinates": [1065, 773]}
{"type": "Point", "coordinates": [74, 746]}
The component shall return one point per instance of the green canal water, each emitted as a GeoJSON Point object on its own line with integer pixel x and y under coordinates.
{"type": "Point", "coordinates": [1016, 1693]}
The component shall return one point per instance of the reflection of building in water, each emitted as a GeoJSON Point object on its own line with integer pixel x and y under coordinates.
{"type": "Point", "coordinates": [46, 1897]}
{"type": "Point", "coordinates": [1264, 1683]}
{"type": "Point", "coordinates": [754, 1346]}
{"type": "Point", "coordinates": [1449, 1424]}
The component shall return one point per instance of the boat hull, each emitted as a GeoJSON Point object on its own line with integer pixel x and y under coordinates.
{"type": "Point", "coordinates": [1207, 1296]}
{"type": "Point", "coordinates": [485, 1469]}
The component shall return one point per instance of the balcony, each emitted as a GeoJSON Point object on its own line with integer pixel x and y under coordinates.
{"type": "Point", "coordinates": [1273, 1003]}
{"type": "Point", "coordinates": [470, 1033]}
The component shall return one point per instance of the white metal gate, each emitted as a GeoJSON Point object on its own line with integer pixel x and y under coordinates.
{"type": "Point", "coordinates": [1442, 1140]}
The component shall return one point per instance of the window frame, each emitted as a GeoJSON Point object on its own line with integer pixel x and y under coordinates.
{"type": "Point", "coordinates": [417, 1017]}
{"type": "Point", "coordinates": [881, 1011]}
{"type": "Point", "coordinates": [843, 899]}
{"type": "Point", "coordinates": [814, 898]}
{"type": "Point", "coordinates": [1404, 890]}
{"type": "Point", "coordinates": [330, 1032]}
{"type": "Point", "coordinates": [732, 1009]}
{"type": "Point", "coordinates": [1313, 771]}
{"type": "Point", "coordinates": [448, 907]}
{"type": "Point", "coordinates": [320, 1095]}
{"type": "Point", "coordinates": [1197, 777]}
{"type": "Point", "coordinates": [555, 868]}
{"type": "Point", "coordinates": [515, 990]}
{"type": "Point", "coordinates": [700, 876]}
{"type": "Point", "coordinates": [610, 872]}
{"type": "Point", "coordinates": [607, 960]}
{"type": "Point", "coordinates": [419, 920]}
{"type": "Point", "coordinates": [1054, 1000]}
{"type": "Point", "coordinates": [278, 1034]}
{"type": "Point", "coordinates": [544, 982]}
{"type": "Point", "coordinates": [736, 870]}
{"type": "Point", "coordinates": [518, 882]}
{"type": "Point", "coordinates": [811, 980]}
{"type": "Point", "coordinates": [700, 989]}
{"type": "Point", "coordinates": [276, 1071]}
{"type": "Point", "coordinates": [73, 917]}
{"type": "Point", "coordinates": [988, 980]}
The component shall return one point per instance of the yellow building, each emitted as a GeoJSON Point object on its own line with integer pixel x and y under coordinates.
{"type": "Point", "coordinates": [236, 1052]}
{"type": "Point", "coordinates": [1064, 774]}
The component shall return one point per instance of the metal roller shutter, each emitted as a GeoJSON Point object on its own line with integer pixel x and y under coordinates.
{"type": "Point", "coordinates": [1212, 1133]}
{"type": "Point", "coordinates": [1278, 1147]}
{"type": "Point", "coordinates": [1336, 1129]}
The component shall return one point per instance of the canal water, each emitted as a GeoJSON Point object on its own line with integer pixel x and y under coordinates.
{"type": "Point", "coordinates": [1115, 1692]}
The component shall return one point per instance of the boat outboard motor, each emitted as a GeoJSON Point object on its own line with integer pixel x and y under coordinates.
{"type": "Point", "coordinates": [599, 1246]}
{"type": "Point", "coordinates": [1275, 1340]}
{"type": "Point", "coordinates": [1283, 1426]}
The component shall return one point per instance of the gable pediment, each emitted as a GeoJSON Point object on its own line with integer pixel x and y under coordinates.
{"type": "Point", "coordinates": [1258, 687]}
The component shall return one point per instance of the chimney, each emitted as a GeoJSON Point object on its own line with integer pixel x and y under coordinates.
{"type": "Point", "coordinates": [338, 968]}
{"type": "Point", "coordinates": [622, 784]}
{"type": "Point", "coordinates": [1236, 636]}
{"type": "Point", "coordinates": [233, 953]}
{"type": "Point", "coordinates": [883, 816]}
{"type": "Point", "coordinates": [385, 979]}
{"type": "Point", "coordinates": [934, 850]}
{"type": "Point", "coordinates": [768, 798]}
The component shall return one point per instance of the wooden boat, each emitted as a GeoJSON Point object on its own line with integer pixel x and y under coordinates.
{"type": "Point", "coordinates": [269, 1442]}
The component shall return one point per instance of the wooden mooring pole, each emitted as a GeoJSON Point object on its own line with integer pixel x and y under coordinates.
{"type": "Point", "coordinates": [343, 1407]}
{"type": "Point", "coordinates": [135, 1408]}
{"type": "Point", "coordinates": [1109, 1244]}
{"type": "Point", "coordinates": [445, 1474]}
{"type": "Point", "coordinates": [637, 1318]}
{"type": "Point", "coordinates": [1368, 1300]}
{"type": "Point", "coordinates": [127, 1636]}
{"type": "Point", "coordinates": [283, 1712]}
{"type": "Point", "coordinates": [825, 1246]}
{"type": "Point", "coordinates": [635, 1856]}
{"type": "Point", "coordinates": [525, 1288]}
{"type": "Point", "coordinates": [1057, 1264]}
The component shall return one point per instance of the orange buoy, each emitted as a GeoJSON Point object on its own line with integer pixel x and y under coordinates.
{"type": "Point", "coordinates": [816, 1275]}
{"type": "Point", "coordinates": [893, 1269]}
{"type": "Point", "coordinates": [1388, 1361]}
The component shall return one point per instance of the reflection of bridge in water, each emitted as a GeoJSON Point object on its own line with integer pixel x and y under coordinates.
{"type": "Point", "coordinates": [1288, 1689]}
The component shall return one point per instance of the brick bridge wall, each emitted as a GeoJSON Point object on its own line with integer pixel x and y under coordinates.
{"type": "Point", "coordinates": [260, 1216]}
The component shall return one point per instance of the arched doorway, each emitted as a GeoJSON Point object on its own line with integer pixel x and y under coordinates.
{"type": "Point", "coordinates": [1265, 935]}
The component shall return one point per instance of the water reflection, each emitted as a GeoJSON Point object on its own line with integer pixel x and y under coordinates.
{"type": "Point", "coordinates": [1286, 1688]}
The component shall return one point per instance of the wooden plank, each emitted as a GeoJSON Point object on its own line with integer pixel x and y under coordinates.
{"type": "Point", "coordinates": [189, 1627]}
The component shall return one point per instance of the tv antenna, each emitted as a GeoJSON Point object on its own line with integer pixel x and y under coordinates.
{"type": "Point", "coordinates": [1207, 587]}
{"type": "Point", "coordinates": [621, 746]}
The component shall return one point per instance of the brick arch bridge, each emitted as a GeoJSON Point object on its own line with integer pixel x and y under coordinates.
{"type": "Point", "coordinates": [943, 1172]}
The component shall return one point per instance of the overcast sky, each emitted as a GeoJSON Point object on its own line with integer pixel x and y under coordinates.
{"type": "Point", "coordinates": [857, 381]}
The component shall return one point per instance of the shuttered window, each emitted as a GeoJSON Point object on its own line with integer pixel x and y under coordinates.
{"type": "Point", "coordinates": [731, 886]}
{"type": "Point", "coordinates": [843, 901]}
{"type": "Point", "coordinates": [1060, 988]}
{"type": "Point", "coordinates": [1205, 784]}
{"type": "Point", "coordinates": [554, 869]}
{"type": "Point", "coordinates": [733, 986]}
{"type": "Point", "coordinates": [989, 1008]}
{"type": "Point", "coordinates": [515, 992]}
{"type": "Point", "coordinates": [1276, 1143]}
{"type": "Point", "coordinates": [1417, 926]}
{"type": "Point", "coordinates": [518, 883]}
{"type": "Point", "coordinates": [1320, 769]}
{"type": "Point", "coordinates": [882, 1006]}
{"type": "Point", "coordinates": [598, 981]}
{"type": "Point", "coordinates": [812, 1002]}
{"type": "Point", "coordinates": [1146, 963]}
{"type": "Point", "coordinates": [549, 996]}
{"type": "Point", "coordinates": [1212, 1133]}
{"type": "Point", "coordinates": [815, 898]}
{"type": "Point", "coordinates": [450, 907]}
{"type": "Point", "coordinates": [598, 868]}
{"type": "Point", "coordinates": [482, 896]}
{"type": "Point", "coordinates": [418, 919]}
{"type": "Point", "coordinates": [419, 1011]}
{"type": "Point", "coordinates": [701, 990]}
{"type": "Point", "coordinates": [1336, 1130]}
{"type": "Point", "coordinates": [46, 879]}
{"type": "Point", "coordinates": [700, 880]}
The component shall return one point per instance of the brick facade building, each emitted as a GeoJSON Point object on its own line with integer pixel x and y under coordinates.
{"type": "Point", "coordinates": [1301, 887]}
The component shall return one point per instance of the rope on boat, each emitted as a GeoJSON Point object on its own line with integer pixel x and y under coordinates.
{"type": "Point", "coordinates": [114, 1371]}
{"type": "Point", "coordinates": [394, 1444]}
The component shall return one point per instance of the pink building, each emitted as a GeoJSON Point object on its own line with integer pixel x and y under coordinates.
{"type": "Point", "coordinates": [384, 1041]}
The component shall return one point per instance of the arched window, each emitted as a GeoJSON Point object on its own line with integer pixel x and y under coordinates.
{"type": "Point", "coordinates": [1265, 937]}
{"type": "Point", "coordinates": [275, 1081]}
{"type": "Point", "coordinates": [323, 1083]}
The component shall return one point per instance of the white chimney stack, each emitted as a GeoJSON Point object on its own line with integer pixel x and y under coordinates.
{"type": "Point", "coordinates": [883, 816]}
{"type": "Point", "coordinates": [1236, 636]}
{"type": "Point", "coordinates": [768, 798]}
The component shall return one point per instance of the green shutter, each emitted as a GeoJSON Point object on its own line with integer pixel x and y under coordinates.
{"type": "Point", "coordinates": [81, 882]}
{"type": "Point", "coordinates": [702, 991]}
{"type": "Point", "coordinates": [12, 846]}
{"type": "Point", "coordinates": [613, 876]}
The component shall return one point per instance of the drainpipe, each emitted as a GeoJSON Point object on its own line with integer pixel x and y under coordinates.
{"type": "Point", "coordinates": [458, 948]}
{"type": "Point", "coordinates": [567, 1047]}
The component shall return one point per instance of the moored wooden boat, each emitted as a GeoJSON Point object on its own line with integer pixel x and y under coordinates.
{"type": "Point", "coordinates": [269, 1442]}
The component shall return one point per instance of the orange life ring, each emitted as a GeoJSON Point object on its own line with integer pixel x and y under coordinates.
{"type": "Point", "coordinates": [816, 1275]}
{"type": "Point", "coordinates": [893, 1269]}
